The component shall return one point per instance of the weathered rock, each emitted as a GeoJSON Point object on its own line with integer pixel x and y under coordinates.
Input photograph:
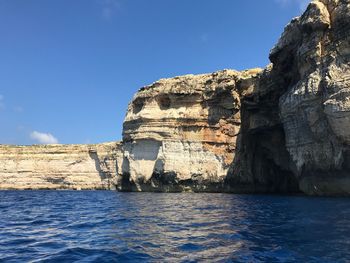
{"type": "Point", "coordinates": [283, 129]}
{"type": "Point", "coordinates": [262, 163]}
{"type": "Point", "coordinates": [59, 166]}
{"type": "Point", "coordinates": [280, 130]}
{"type": "Point", "coordinates": [315, 109]}
{"type": "Point", "coordinates": [298, 119]}
{"type": "Point", "coordinates": [180, 133]}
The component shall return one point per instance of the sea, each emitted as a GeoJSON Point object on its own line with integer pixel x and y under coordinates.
{"type": "Point", "coordinates": [108, 226]}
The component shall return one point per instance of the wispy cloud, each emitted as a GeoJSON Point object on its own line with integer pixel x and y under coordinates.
{"type": "Point", "coordinates": [20, 128]}
{"type": "Point", "coordinates": [43, 138]}
{"type": "Point", "coordinates": [18, 109]}
{"type": "Point", "coordinates": [2, 103]}
{"type": "Point", "coordinates": [204, 37]}
{"type": "Point", "coordinates": [302, 4]}
{"type": "Point", "coordinates": [109, 8]}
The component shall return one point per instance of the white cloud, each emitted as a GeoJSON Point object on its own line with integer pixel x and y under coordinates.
{"type": "Point", "coordinates": [302, 4]}
{"type": "Point", "coordinates": [43, 138]}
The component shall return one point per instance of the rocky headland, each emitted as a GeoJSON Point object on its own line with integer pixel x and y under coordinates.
{"type": "Point", "coordinates": [180, 134]}
{"type": "Point", "coordinates": [282, 129]}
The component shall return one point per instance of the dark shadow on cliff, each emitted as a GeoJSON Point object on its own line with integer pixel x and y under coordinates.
{"type": "Point", "coordinates": [222, 105]}
{"type": "Point", "coordinates": [125, 183]}
{"type": "Point", "coordinates": [262, 163]}
{"type": "Point", "coordinates": [105, 176]}
{"type": "Point", "coordinates": [332, 182]}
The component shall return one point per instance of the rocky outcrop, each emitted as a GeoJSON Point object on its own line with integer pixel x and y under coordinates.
{"type": "Point", "coordinates": [262, 163]}
{"type": "Point", "coordinates": [59, 166]}
{"type": "Point", "coordinates": [218, 132]}
{"type": "Point", "coordinates": [282, 129]}
{"type": "Point", "coordinates": [180, 133]}
{"type": "Point", "coordinates": [297, 119]}
{"type": "Point", "coordinates": [312, 60]}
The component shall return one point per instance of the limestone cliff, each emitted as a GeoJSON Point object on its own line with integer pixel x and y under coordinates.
{"type": "Point", "coordinates": [308, 85]}
{"type": "Point", "coordinates": [315, 108]}
{"type": "Point", "coordinates": [180, 133]}
{"type": "Point", "coordinates": [59, 166]}
{"type": "Point", "coordinates": [262, 162]}
{"type": "Point", "coordinates": [297, 119]}
{"type": "Point", "coordinates": [282, 129]}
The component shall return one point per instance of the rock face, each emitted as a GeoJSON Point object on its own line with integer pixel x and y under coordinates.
{"type": "Point", "coordinates": [282, 129]}
{"type": "Point", "coordinates": [312, 63]}
{"type": "Point", "coordinates": [180, 134]}
{"type": "Point", "coordinates": [262, 163]}
{"type": "Point", "coordinates": [59, 166]}
{"type": "Point", "coordinates": [218, 132]}
{"type": "Point", "coordinates": [297, 119]}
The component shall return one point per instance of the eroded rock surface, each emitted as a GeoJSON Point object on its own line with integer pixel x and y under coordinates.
{"type": "Point", "coordinates": [314, 67]}
{"type": "Point", "coordinates": [262, 163]}
{"type": "Point", "coordinates": [282, 129]}
{"type": "Point", "coordinates": [296, 121]}
{"type": "Point", "coordinates": [59, 166]}
{"type": "Point", "coordinates": [180, 133]}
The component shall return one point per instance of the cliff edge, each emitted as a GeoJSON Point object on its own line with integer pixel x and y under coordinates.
{"type": "Point", "coordinates": [282, 129]}
{"type": "Point", "coordinates": [180, 134]}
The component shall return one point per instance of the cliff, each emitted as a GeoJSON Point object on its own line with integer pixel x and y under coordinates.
{"type": "Point", "coordinates": [180, 134]}
{"type": "Point", "coordinates": [283, 129]}
{"type": "Point", "coordinates": [315, 107]}
{"type": "Point", "coordinates": [218, 132]}
{"type": "Point", "coordinates": [58, 166]}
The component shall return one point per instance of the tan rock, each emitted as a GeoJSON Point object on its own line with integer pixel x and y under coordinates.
{"type": "Point", "coordinates": [308, 86]}
{"type": "Point", "coordinates": [59, 166]}
{"type": "Point", "coordinates": [283, 129]}
{"type": "Point", "coordinates": [180, 133]}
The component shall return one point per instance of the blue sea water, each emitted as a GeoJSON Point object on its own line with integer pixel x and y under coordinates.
{"type": "Point", "coordinates": [107, 226]}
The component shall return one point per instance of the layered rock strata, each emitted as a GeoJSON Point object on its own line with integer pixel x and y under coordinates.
{"type": "Point", "coordinates": [180, 133]}
{"type": "Point", "coordinates": [312, 62]}
{"type": "Point", "coordinates": [59, 166]}
{"type": "Point", "coordinates": [282, 129]}
{"type": "Point", "coordinates": [262, 163]}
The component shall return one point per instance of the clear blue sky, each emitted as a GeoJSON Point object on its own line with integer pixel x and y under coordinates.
{"type": "Point", "coordinates": [69, 67]}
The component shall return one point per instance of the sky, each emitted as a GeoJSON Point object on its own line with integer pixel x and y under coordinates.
{"type": "Point", "coordinates": [69, 68]}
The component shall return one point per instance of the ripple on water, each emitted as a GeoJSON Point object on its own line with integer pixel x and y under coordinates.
{"type": "Point", "coordinates": [97, 226]}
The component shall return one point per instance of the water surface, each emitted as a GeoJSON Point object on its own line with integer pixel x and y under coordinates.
{"type": "Point", "coordinates": [106, 226]}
